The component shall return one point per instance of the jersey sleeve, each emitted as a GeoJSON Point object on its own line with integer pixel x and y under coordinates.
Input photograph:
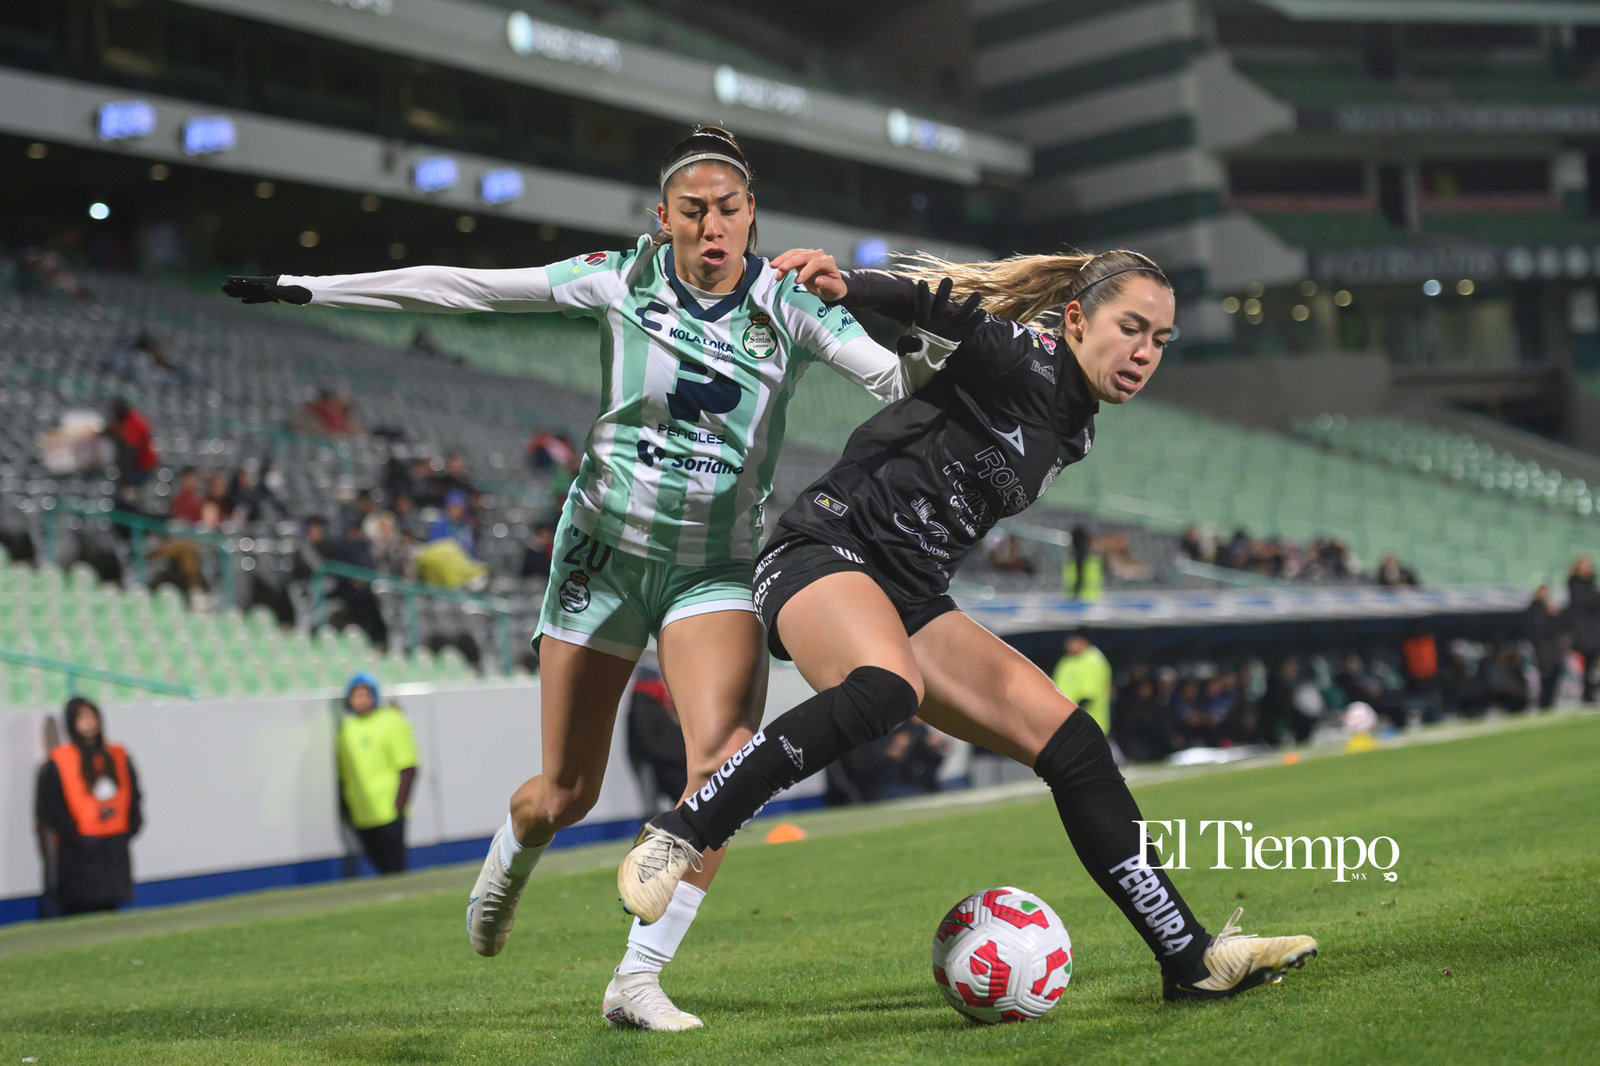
{"type": "Point", "coordinates": [830, 334]}
{"type": "Point", "coordinates": [586, 285]}
{"type": "Point", "coordinates": [997, 347]}
{"type": "Point", "coordinates": [432, 289]}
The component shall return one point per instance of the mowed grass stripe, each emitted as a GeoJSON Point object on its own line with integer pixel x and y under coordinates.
{"type": "Point", "coordinates": [817, 952]}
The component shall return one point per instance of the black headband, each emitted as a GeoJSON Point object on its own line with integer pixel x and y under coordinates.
{"type": "Point", "coordinates": [1151, 269]}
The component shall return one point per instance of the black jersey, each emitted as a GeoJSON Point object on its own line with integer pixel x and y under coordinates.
{"type": "Point", "coordinates": [922, 482]}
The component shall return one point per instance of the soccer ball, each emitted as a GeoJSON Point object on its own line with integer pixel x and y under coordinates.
{"type": "Point", "coordinates": [1002, 956]}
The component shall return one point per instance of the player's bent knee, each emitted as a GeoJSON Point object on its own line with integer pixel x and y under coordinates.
{"type": "Point", "coordinates": [873, 702]}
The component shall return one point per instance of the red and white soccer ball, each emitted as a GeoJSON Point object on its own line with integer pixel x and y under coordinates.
{"type": "Point", "coordinates": [1002, 956]}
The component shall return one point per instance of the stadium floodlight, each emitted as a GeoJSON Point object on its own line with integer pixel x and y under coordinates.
{"type": "Point", "coordinates": [99, 211]}
{"type": "Point", "coordinates": [121, 120]}
{"type": "Point", "coordinates": [206, 134]}
{"type": "Point", "coordinates": [434, 173]}
{"type": "Point", "coordinates": [500, 186]}
{"type": "Point", "coordinates": [1431, 287]}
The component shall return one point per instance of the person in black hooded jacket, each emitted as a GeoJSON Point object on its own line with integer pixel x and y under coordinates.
{"type": "Point", "coordinates": [87, 804]}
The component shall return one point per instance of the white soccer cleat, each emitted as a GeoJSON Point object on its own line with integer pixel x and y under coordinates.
{"type": "Point", "coordinates": [492, 907]}
{"type": "Point", "coordinates": [1239, 961]}
{"type": "Point", "coordinates": [636, 1001]}
{"type": "Point", "coordinates": [650, 872]}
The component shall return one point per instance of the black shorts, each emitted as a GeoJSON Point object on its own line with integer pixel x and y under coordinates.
{"type": "Point", "coordinates": [793, 561]}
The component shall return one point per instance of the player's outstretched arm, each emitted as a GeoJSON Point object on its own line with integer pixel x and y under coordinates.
{"type": "Point", "coordinates": [430, 289]}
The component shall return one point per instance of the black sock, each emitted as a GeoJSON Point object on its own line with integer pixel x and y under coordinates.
{"type": "Point", "coordinates": [867, 706]}
{"type": "Point", "coordinates": [1099, 814]}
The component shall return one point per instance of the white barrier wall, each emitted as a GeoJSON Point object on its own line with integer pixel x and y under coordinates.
{"type": "Point", "coordinates": [240, 784]}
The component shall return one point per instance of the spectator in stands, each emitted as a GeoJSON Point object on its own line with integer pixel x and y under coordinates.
{"type": "Point", "coordinates": [1392, 575]}
{"type": "Point", "coordinates": [1358, 684]}
{"type": "Point", "coordinates": [1503, 681]}
{"type": "Point", "coordinates": [215, 511]}
{"type": "Point", "coordinates": [1419, 656]}
{"type": "Point", "coordinates": [456, 479]}
{"type": "Point", "coordinates": [143, 357]}
{"type": "Point", "coordinates": [390, 547]}
{"type": "Point", "coordinates": [904, 763]}
{"type": "Point", "coordinates": [1220, 706]}
{"type": "Point", "coordinates": [45, 273]}
{"type": "Point", "coordinates": [1547, 634]}
{"type": "Point", "coordinates": [251, 501]}
{"type": "Point", "coordinates": [88, 806]}
{"type": "Point", "coordinates": [1199, 546]}
{"type": "Point", "coordinates": [550, 449]}
{"type": "Point", "coordinates": [1459, 684]}
{"type": "Point", "coordinates": [1084, 676]}
{"type": "Point", "coordinates": [1083, 573]}
{"type": "Point", "coordinates": [1004, 552]}
{"type": "Point", "coordinates": [1194, 725]}
{"type": "Point", "coordinates": [1141, 727]}
{"type": "Point", "coordinates": [133, 444]}
{"type": "Point", "coordinates": [405, 515]}
{"type": "Point", "coordinates": [328, 414]}
{"type": "Point", "coordinates": [1583, 621]}
{"type": "Point", "coordinates": [655, 741]}
{"type": "Point", "coordinates": [456, 523]}
{"type": "Point", "coordinates": [355, 594]}
{"type": "Point", "coordinates": [187, 504]}
{"type": "Point", "coordinates": [377, 769]}
{"type": "Point", "coordinates": [537, 553]}
{"type": "Point", "coordinates": [1290, 707]}
{"type": "Point", "coordinates": [1120, 562]}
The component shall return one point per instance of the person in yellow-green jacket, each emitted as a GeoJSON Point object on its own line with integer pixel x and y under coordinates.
{"type": "Point", "coordinates": [1084, 676]}
{"type": "Point", "coordinates": [377, 768]}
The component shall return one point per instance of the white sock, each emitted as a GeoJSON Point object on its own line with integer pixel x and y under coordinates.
{"type": "Point", "coordinates": [519, 859]}
{"type": "Point", "coordinates": [652, 946]}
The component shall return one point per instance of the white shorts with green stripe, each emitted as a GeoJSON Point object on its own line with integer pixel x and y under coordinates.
{"type": "Point", "coordinates": [613, 602]}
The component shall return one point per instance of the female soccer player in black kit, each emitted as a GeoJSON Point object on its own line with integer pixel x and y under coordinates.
{"type": "Point", "coordinates": [853, 584]}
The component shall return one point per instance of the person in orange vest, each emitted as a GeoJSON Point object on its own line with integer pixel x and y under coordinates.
{"type": "Point", "coordinates": [87, 801]}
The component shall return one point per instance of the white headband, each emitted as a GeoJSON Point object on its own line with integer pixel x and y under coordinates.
{"type": "Point", "coordinates": [701, 157]}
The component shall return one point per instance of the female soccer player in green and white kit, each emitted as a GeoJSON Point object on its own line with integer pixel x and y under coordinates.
{"type": "Point", "coordinates": [702, 344]}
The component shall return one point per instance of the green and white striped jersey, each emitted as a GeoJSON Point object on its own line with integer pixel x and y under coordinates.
{"type": "Point", "coordinates": [694, 395]}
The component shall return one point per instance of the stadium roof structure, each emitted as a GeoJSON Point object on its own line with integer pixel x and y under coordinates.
{"type": "Point", "coordinates": [519, 47]}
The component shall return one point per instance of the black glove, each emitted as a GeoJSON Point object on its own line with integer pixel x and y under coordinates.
{"type": "Point", "coordinates": [939, 315]}
{"type": "Point", "coordinates": [939, 325]}
{"type": "Point", "coordinates": [254, 290]}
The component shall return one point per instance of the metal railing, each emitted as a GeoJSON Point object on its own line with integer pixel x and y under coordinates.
{"type": "Point", "coordinates": [80, 671]}
{"type": "Point", "coordinates": [138, 550]}
{"type": "Point", "coordinates": [410, 592]}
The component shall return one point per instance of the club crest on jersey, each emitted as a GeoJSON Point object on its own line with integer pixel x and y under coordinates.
{"type": "Point", "coordinates": [760, 340]}
{"type": "Point", "coordinates": [574, 592]}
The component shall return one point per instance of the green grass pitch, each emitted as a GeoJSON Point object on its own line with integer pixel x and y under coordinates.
{"type": "Point", "coordinates": [1485, 949]}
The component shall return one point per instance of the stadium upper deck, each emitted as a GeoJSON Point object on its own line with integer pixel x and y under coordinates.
{"type": "Point", "coordinates": [1417, 177]}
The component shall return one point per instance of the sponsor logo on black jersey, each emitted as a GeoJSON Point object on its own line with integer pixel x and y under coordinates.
{"type": "Point", "coordinates": [796, 753]}
{"type": "Point", "coordinates": [848, 554]}
{"type": "Point", "coordinates": [831, 505]}
{"type": "Point", "coordinates": [1045, 371]}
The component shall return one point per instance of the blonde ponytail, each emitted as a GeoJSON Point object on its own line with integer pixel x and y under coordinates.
{"type": "Point", "coordinates": [1032, 289]}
